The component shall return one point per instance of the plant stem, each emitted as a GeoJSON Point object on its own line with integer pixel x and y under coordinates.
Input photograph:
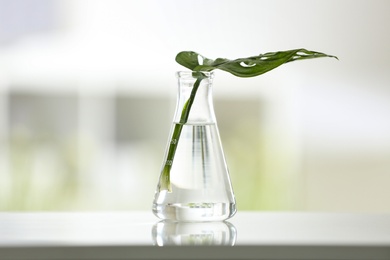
{"type": "Point", "coordinates": [165, 181]}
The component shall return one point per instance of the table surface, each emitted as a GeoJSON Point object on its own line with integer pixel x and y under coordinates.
{"type": "Point", "coordinates": [140, 235]}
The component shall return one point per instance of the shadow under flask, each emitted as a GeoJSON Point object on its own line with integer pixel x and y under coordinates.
{"type": "Point", "coordinates": [194, 184]}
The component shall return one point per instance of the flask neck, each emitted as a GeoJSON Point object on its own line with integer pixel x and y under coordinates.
{"type": "Point", "coordinates": [194, 100]}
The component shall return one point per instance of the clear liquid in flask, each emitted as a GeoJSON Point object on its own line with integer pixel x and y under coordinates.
{"type": "Point", "coordinates": [201, 188]}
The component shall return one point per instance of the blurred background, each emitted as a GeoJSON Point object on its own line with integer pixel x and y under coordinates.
{"type": "Point", "coordinates": [87, 96]}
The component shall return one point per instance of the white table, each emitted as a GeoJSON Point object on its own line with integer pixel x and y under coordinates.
{"type": "Point", "coordinates": [248, 235]}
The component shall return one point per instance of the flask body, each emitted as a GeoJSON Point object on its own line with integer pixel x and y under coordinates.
{"type": "Point", "coordinates": [194, 183]}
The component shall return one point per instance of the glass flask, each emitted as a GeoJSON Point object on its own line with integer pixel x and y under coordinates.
{"type": "Point", "coordinates": [194, 183]}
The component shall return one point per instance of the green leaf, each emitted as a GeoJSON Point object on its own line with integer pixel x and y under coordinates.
{"type": "Point", "coordinates": [246, 67]}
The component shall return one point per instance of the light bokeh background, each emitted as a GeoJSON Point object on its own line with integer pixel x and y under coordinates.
{"type": "Point", "coordinates": [87, 95]}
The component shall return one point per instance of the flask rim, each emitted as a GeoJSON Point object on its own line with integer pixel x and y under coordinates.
{"type": "Point", "coordinates": [192, 74]}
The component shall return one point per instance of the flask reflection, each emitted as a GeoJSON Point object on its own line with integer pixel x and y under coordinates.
{"type": "Point", "coordinates": [168, 233]}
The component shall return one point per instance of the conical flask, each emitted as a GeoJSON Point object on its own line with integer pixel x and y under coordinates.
{"type": "Point", "coordinates": [194, 183]}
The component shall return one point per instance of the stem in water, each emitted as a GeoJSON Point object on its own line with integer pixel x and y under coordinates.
{"type": "Point", "coordinates": [165, 181]}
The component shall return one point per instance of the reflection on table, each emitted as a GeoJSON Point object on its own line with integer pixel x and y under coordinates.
{"type": "Point", "coordinates": [193, 233]}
